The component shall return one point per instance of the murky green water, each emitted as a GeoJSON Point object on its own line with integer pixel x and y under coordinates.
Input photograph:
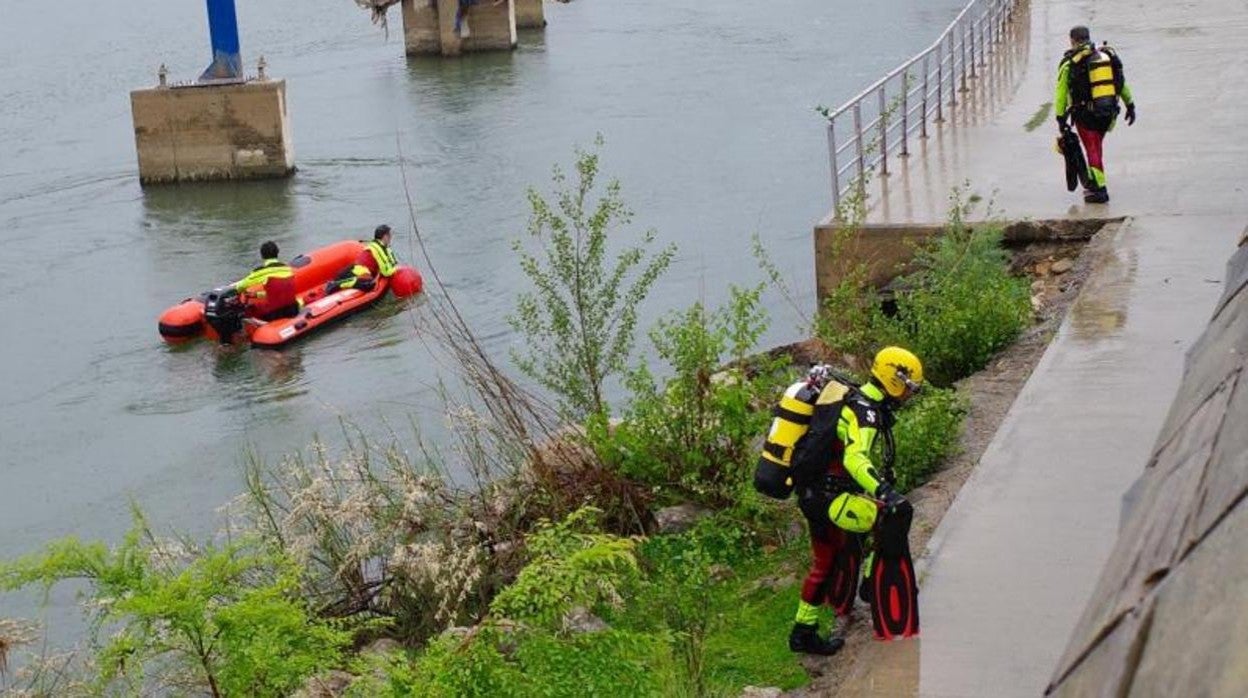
{"type": "Point", "coordinates": [707, 109]}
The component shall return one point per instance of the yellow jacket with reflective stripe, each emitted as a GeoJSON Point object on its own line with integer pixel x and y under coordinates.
{"type": "Point", "coordinates": [269, 269]}
{"type": "Point", "coordinates": [843, 428]}
{"type": "Point", "coordinates": [857, 428]}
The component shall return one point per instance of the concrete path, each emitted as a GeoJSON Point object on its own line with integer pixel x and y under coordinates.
{"type": "Point", "coordinates": [1012, 563]}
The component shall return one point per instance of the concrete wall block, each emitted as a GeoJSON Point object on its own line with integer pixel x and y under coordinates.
{"type": "Point", "coordinates": [420, 28]}
{"type": "Point", "coordinates": [491, 27]}
{"type": "Point", "coordinates": [530, 14]}
{"type": "Point", "coordinates": [429, 27]}
{"type": "Point", "coordinates": [212, 132]}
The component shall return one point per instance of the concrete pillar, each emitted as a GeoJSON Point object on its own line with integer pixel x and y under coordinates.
{"type": "Point", "coordinates": [491, 26]}
{"type": "Point", "coordinates": [207, 132]}
{"type": "Point", "coordinates": [529, 14]}
{"type": "Point", "coordinates": [420, 28]}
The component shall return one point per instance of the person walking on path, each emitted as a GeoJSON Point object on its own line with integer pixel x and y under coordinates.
{"type": "Point", "coordinates": [1090, 84]}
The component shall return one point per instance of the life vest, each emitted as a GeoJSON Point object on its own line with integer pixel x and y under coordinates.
{"type": "Point", "coordinates": [1095, 79]}
{"type": "Point", "coordinates": [387, 263]}
{"type": "Point", "coordinates": [774, 475]}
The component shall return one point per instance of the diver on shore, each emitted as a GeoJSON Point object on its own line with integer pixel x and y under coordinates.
{"type": "Point", "coordinates": [820, 446]}
{"type": "Point", "coordinates": [1090, 84]}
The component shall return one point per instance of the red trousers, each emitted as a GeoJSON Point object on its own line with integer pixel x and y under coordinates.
{"type": "Point", "coordinates": [1093, 140]}
{"type": "Point", "coordinates": [836, 557]}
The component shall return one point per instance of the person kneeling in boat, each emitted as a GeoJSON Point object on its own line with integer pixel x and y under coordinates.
{"type": "Point", "coordinates": [376, 259]}
{"type": "Point", "coordinates": [270, 288]}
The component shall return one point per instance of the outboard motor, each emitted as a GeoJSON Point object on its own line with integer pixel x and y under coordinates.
{"type": "Point", "coordinates": [223, 311]}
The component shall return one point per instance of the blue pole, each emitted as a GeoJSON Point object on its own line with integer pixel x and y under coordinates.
{"type": "Point", "coordinates": [227, 64]}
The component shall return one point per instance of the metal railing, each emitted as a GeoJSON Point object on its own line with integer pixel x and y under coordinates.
{"type": "Point", "coordinates": [924, 89]}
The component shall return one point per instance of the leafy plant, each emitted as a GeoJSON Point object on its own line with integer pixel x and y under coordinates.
{"type": "Point", "coordinates": [927, 432]}
{"type": "Point", "coordinates": [571, 565]}
{"type": "Point", "coordinates": [962, 306]}
{"type": "Point", "coordinates": [506, 662]}
{"type": "Point", "coordinates": [694, 434]}
{"type": "Point", "coordinates": [228, 617]}
{"type": "Point", "coordinates": [580, 317]}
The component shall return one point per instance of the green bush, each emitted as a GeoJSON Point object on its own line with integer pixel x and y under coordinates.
{"type": "Point", "coordinates": [694, 435]}
{"type": "Point", "coordinates": [927, 433]}
{"type": "Point", "coordinates": [504, 662]}
{"type": "Point", "coordinates": [571, 565]}
{"type": "Point", "coordinates": [962, 306]}
{"type": "Point", "coordinates": [225, 619]}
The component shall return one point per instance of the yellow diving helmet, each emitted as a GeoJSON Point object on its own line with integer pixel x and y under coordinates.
{"type": "Point", "coordinates": [899, 371]}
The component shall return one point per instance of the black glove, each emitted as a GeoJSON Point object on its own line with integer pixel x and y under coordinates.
{"type": "Point", "coordinates": [1061, 123]}
{"type": "Point", "coordinates": [1130, 118]}
{"type": "Point", "coordinates": [890, 499]}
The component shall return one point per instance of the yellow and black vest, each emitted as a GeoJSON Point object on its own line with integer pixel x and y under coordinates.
{"type": "Point", "coordinates": [386, 261]}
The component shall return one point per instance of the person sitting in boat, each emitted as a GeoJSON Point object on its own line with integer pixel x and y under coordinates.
{"type": "Point", "coordinates": [376, 259]}
{"type": "Point", "coordinates": [270, 287]}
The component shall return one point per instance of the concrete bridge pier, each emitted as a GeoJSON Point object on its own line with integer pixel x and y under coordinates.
{"type": "Point", "coordinates": [530, 14]}
{"type": "Point", "coordinates": [222, 126]}
{"type": "Point", "coordinates": [437, 27]}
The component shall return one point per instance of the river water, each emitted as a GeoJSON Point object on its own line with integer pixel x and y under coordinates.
{"type": "Point", "coordinates": [708, 114]}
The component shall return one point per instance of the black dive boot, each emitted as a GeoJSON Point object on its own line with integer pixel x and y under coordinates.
{"type": "Point", "coordinates": [805, 638]}
{"type": "Point", "coordinates": [1097, 196]}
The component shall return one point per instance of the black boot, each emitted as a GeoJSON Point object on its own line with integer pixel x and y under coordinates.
{"type": "Point", "coordinates": [1096, 196]}
{"type": "Point", "coordinates": [805, 638]}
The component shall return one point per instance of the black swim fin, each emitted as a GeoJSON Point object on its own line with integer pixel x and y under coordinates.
{"type": "Point", "coordinates": [1076, 165]}
{"type": "Point", "coordinates": [894, 589]}
{"type": "Point", "coordinates": [844, 578]}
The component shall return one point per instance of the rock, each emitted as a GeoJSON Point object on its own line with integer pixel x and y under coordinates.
{"type": "Point", "coordinates": [719, 572]}
{"type": "Point", "coordinates": [580, 620]}
{"type": "Point", "coordinates": [1037, 286]}
{"type": "Point", "coordinates": [381, 646]}
{"type": "Point", "coordinates": [775, 583]}
{"type": "Point", "coordinates": [726, 378]}
{"type": "Point", "coordinates": [1037, 302]}
{"type": "Point", "coordinates": [796, 530]}
{"type": "Point", "coordinates": [1061, 266]}
{"type": "Point", "coordinates": [679, 518]}
{"type": "Point", "coordinates": [756, 692]}
{"type": "Point", "coordinates": [330, 684]}
{"type": "Point", "coordinates": [1043, 268]}
{"type": "Point", "coordinates": [458, 631]}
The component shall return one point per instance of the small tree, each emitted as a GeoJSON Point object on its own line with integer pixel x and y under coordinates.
{"type": "Point", "coordinates": [580, 317]}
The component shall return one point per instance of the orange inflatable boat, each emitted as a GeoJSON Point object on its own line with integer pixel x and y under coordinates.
{"type": "Point", "coordinates": [219, 313]}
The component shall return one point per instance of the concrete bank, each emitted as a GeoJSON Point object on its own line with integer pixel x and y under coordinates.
{"type": "Point", "coordinates": [1016, 557]}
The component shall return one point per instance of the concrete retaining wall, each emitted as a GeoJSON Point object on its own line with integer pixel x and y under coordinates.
{"type": "Point", "coordinates": [236, 131]}
{"type": "Point", "coordinates": [886, 248]}
{"type": "Point", "coordinates": [429, 27]}
{"type": "Point", "coordinates": [1169, 616]}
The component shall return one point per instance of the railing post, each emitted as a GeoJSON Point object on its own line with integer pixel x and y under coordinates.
{"type": "Point", "coordinates": [923, 118]}
{"type": "Point", "coordinates": [962, 73]}
{"type": "Point", "coordinates": [971, 41]}
{"type": "Point", "coordinates": [940, 82]}
{"type": "Point", "coordinates": [905, 112]}
{"type": "Point", "coordinates": [836, 170]}
{"type": "Point", "coordinates": [984, 44]}
{"type": "Point", "coordinates": [862, 164]}
{"type": "Point", "coordinates": [883, 132]}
